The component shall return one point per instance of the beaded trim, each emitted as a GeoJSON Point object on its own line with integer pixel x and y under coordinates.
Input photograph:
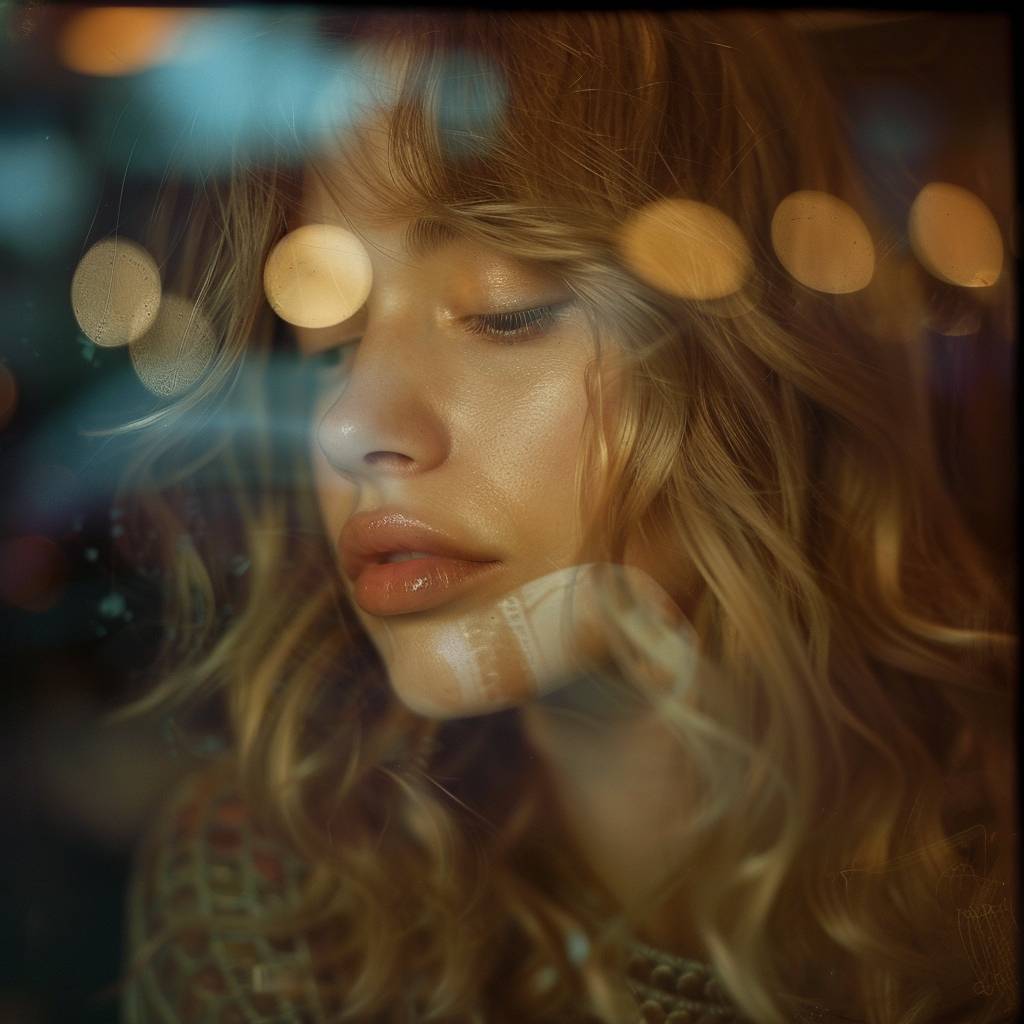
{"type": "Point", "coordinates": [674, 990]}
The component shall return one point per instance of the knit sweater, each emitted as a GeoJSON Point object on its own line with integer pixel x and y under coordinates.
{"type": "Point", "coordinates": [205, 855]}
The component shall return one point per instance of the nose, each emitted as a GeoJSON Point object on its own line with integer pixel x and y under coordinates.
{"type": "Point", "coordinates": [387, 421]}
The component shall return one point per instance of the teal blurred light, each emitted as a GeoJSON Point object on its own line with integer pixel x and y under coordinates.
{"type": "Point", "coordinates": [249, 84]}
{"type": "Point", "coordinates": [472, 101]}
{"type": "Point", "coordinates": [895, 123]}
{"type": "Point", "coordinates": [44, 192]}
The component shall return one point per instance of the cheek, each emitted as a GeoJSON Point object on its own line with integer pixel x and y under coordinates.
{"type": "Point", "coordinates": [516, 442]}
{"type": "Point", "coordinates": [528, 449]}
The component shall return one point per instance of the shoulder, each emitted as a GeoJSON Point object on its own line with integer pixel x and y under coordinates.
{"type": "Point", "coordinates": [205, 874]}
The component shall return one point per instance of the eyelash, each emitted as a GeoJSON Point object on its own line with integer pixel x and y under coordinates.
{"type": "Point", "coordinates": [517, 323]}
{"type": "Point", "coordinates": [504, 327]}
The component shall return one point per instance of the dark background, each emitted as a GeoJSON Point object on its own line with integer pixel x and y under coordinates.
{"type": "Point", "coordinates": [929, 98]}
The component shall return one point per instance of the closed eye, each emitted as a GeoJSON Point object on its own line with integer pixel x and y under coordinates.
{"type": "Point", "coordinates": [516, 324]}
{"type": "Point", "coordinates": [513, 325]}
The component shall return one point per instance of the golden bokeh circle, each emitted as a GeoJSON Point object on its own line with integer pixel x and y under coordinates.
{"type": "Point", "coordinates": [955, 236]}
{"type": "Point", "coordinates": [686, 248]}
{"type": "Point", "coordinates": [172, 355]}
{"type": "Point", "coordinates": [115, 292]}
{"type": "Point", "coordinates": [317, 276]}
{"type": "Point", "coordinates": [823, 242]}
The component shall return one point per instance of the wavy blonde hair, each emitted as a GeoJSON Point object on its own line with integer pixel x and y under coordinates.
{"type": "Point", "coordinates": [852, 761]}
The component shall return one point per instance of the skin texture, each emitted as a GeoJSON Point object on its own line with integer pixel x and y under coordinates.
{"type": "Point", "coordinates": [478, 435]}
{"type": "Point", "coordinates": [481, 437]}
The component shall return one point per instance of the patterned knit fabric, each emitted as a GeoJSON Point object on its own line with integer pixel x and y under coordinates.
{"type": "Point", "coordinates": [204, 854]}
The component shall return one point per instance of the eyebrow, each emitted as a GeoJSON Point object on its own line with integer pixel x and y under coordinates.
{"type": "Point", "coordinates": [426, 235]}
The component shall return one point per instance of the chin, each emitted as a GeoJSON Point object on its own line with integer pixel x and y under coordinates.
{"type": "Point", "coordinates": [475, 659]}
{"type": "Point", "coordinates": [446, 680]}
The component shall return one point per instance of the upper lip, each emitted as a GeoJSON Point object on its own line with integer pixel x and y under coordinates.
{"type": "Point", "coordinates": [368, 537]}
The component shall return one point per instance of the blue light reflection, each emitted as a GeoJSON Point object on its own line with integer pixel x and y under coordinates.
{"type": "Point", "coordinates": [44, 190]}
{"type": "Point", "coordinates": [241, 84]}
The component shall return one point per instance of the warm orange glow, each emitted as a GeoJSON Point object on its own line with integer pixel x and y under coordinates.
{"type": "Point", "coordinates": [33, 571]}
{"type": "Point", "coordinates": [8, 395]}
{"type": "Point", "coordinates": [955, 236]}
{"type": "Point", "coordinates": [686, 249]}
{"type": "Point", "coordinates": [119, 40]}
{"type": "Point", "coordinates": [823, 243]}
{"type": "Point", "coordinates": [172, 355]}
{"type": "Point", "coordinates": [317, 276]}
{"type": "Point", "coordinates": [115, 293]}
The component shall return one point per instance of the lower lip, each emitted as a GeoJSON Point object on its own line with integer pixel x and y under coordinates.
{"type": "Point", "coordinates": [415, 585]}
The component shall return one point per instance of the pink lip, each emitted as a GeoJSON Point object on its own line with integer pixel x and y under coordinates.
{"type": "Point", "coordinates": [412, 585]}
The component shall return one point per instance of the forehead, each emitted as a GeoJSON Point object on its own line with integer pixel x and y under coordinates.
{"type": "Point", "coordinates": [331, 197]}
{"type": "Point", "coordinates": [354, 182]}
{"type": "Point", "coordinates": [419, 250]}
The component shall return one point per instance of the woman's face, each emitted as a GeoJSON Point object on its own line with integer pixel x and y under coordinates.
{"type": "Point", "coordinates": [450, 416]}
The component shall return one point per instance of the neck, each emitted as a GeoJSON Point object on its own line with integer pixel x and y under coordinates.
{"type": "Point", "coordinates": [617, 774]}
